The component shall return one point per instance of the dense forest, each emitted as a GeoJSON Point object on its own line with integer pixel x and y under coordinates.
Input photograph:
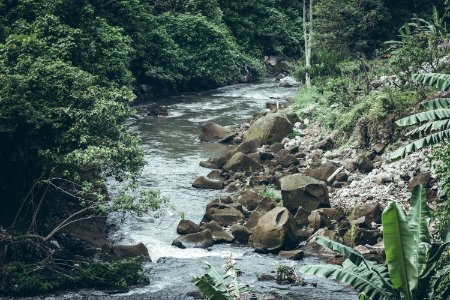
{"type": "Point", "coordinates": [71, 71]}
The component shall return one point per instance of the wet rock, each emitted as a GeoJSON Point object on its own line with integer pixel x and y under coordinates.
{"type": "Point", "coordinates": [203, 239]}
{"type": "Point", "coordinates": [264, 206]}
{"type": "Point", "coordinates": [249, 146]}
{"type": "Point", "coordinates": [218, 233]}
{"type": "Point", "coordinates": [303, 191]}
{"type": "Point", "coordinates": [292, 255]}
{"type": "Point", "coordinates": [288, 81]}
{"type": "Point", "coordinates": [205, 183]}
{"type": "Point", "coordinates": [225, 215]}
{"type": "Point", "coordinates": [129, 251]}
{"type": "Point", "coordinates": [187, 227]}
{"type": "Point", "coordinates": [241, 233]}
{"type": "Point", "coordinates": [270, 233]}
{"type": "Point", "coordinates": [158, 111]}
{"type": "Point", "coordinates": [322, 172]}
{"type": "Point", "coordinates": [212, 132]}
{"type": "Point", "coordinates": [279, 77]}
{"type": "Point", "coordinates": [367, 213]}
{"type": "Point", "coordinates": [215, 174]}
{"type": "Point", "coordinates": [272, 127]}
{"type": "Point", "coordinates": [241, 162]}
{"type": "Point", "coordinates": [266, 277]}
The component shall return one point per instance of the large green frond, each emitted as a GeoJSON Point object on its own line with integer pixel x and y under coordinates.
{"type": "Point", "coordinates": [437, 103]}
{"type": "Point", "coordinates": [399, 248]}
{"type": "Point", "coordinates": [438, 80]}
{"type": "Point", "coordinates": [426, 116]}
{"type": "Point", "coordinates": [421, 143]}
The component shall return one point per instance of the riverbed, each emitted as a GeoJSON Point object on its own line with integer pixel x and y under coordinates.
{"type": "Point", "coordinates": [173, 152]}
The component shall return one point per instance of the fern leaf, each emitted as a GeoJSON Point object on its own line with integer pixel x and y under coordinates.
{"type": "Point", "coordinates": [438, 80]}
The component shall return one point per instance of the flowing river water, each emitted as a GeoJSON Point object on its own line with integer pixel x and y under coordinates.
{"type": "Point", "coordinates": [173, 152]}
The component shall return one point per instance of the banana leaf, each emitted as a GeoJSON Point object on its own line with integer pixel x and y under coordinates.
{"type": "Point", "coordinates": [399, 248]}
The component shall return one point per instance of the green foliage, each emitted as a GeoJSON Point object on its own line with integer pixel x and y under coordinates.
{"type": "Point", "coordinates": [433, 124]}
{"type": "Point", "coordinates": [270, 192]}
{"type": "Point", "coordinates": [214, 286]}
{"type": "Point", "coordinates": [352, 26]}
{"type": "Point", "coordinates": [267, 27]}
{"type": "Point", "coordinates": [324, 63]}
{"type": "Point", "coordinates": [36, 279]}
{"type": "Point", "coordinates": [412, 261]}
{"type": "Point", "coordinates": [441, 162]}
{"type": "Point", "coordinates": [420, 45]}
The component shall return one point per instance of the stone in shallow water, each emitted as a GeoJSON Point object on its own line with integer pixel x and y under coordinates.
{"type": "Point", "coordinates": [202, 239]}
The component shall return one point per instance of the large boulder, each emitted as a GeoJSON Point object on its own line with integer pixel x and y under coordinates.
{"type": "Point", "coordinates": [272, 127]}
{"type": "Point", "coordinates": [129, 251]}
{"type": "Point", "coordinates": [241, 233]}
{"type": "Point", "coordinates": [288, 81]}
{"type": "Point", "coordinates": [292, 255]}
{"type": "Point", "coordinates": [264, 206]}
{"type": "Point", "coordinates": [300, 190]}
{"type": "Point", "coordinates": [205, 183]}
{"type": "Point", "coordinates": [203, 239]}
{"type": "Point", "coordinates": [325, 217]}
{"type": "Point", "coordinates": [366, 214]}
{"type": "Point", "coordinates": [322, 172]}
{"type": "Point", "coordinates": [241, 162]}
{"type": "Point", "coordinates": [225, 215]}
{"type": "Point", "coordinates": [212, 132]}
{"type": "Point", "coordinates": [187, 227]}
{"type": "Point", "coordinates": [271, 232]}
{"type": "Point", "coordinates": [218, 233]}
{"type": "Point", "coordinates": [250, 200]}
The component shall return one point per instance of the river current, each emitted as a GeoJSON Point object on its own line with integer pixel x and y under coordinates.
{"type": "Point", "coordinates": [173, 152]}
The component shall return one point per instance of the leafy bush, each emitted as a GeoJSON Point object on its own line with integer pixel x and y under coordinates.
{"type": "Point", "coordinates": [38, 279]}
{"type": "Point", "coordinates": [411, 258]}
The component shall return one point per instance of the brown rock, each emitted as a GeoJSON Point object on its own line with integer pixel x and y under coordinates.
{"type": "Point", "coordinates": [212, 132]}
{"type": "Point", "coordinates": [250, 200]}
{"type": "Point", "coordinates": [292, 255]}
{"type": "Point", "coordinates": [264, 206]}
{"type": "Point", "coordinates": [367, 213]}
{"type": "Point", "coordinates": [130, 251]}
{"type": "Point", "coordinates": [187, 227]}
{"type": "Point", "coordinates": [342, 177]}
{"type": "Point", "coordinates": [203, 239]}
{"type": "Point", "coordinates": [322, 172]}
{"type": "Point", "coordinates": [303, 191]}
{"type": "Point", "coordinates": [421, 179]}
{"type": "Point", "coordinates": [287, 160]}
{"type": "Point", "coordinates": [271, 231]}
{"type": "Point", "coordinates": [225, 215]}
{"type": "Point", "coordinates": [241, 233]}
{"type": "Point", "coordinates": [241, 162]}
{"type": "Point", "coordinates": [205, 183]}
{"type": "Point", "coordinates": [218, 233]}
{"type": "Point", "coordinates": [364, 165]}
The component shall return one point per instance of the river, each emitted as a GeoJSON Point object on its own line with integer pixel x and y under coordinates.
{"type": "Point", "coordinates": [173, 152]}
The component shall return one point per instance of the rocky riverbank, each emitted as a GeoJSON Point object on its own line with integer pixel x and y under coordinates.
{"type": "Point", "coordinates": [288, 183]}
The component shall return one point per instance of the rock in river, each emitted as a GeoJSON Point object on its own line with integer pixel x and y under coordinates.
{"type": "Point", "coordinates": [205, 183]}
{"type": "Point", "coordinates": [212, 132]}
{"type": "Point", "coordinates": [203, 239]}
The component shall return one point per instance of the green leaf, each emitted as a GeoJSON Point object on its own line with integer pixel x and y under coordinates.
{"type": "Point", "coordinates": [421, 143]}
{"type": "Point", "coordinates": [367, 282]}
{"type": "Point", "coordinates": [431, 115]}
{"type": "Point", "coordinates": [354, 256]}
{"type": "Point", "coordinates": [437, 103]}
{"type": "Point", "coordinates": [419, 219]}
{"type": "Point", "coordinates": [212, 285]}
{"type": "Point", "coordinates": [438, 80]}
{"type": "Point", "coordinates": [399, 249]}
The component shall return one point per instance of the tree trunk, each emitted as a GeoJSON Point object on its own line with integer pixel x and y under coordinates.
{"type": "Point", "coordinates": [307, 36]}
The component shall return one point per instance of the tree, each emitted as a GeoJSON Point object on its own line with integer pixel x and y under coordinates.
{"type": "Point", "coordinates": [307, 37]}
